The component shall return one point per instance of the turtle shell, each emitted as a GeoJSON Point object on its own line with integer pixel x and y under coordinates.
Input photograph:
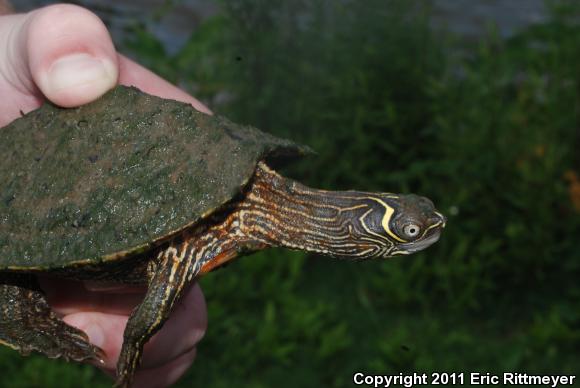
{"type": "Point", "coordinates": [112, 178]}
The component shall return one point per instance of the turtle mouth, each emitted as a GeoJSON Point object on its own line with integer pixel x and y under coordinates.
{"type": "Point", "coordinates": [416, 246]}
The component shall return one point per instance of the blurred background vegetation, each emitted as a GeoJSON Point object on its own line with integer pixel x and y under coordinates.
{"type": "Point", "coordinates": [489, 129]}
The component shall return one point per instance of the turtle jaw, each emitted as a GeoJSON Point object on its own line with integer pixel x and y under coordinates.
{"type": "Point", "coordinates": [416, 246]}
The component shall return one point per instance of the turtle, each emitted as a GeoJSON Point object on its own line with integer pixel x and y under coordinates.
{"type": "Point", "coordinates": [137, 189]}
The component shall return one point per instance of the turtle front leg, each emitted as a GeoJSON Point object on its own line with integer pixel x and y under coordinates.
{"type": "Point", "coordinates": [170, 274]}
{"type": "Point", "coordinates": [28, 324]}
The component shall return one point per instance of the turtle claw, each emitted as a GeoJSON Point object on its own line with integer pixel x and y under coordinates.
{"type": "Point", "coordinates": [55, 339]}
{"type": "Point", "coordinates": [28, 324]}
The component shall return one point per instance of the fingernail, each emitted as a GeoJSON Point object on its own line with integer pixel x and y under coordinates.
{"type": "Point", "coordinates": [83, 71]}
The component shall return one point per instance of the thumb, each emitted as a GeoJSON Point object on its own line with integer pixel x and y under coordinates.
{"type": "Point", "coordinates": [62, 52]}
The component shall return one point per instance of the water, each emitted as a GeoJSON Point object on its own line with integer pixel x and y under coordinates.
{"type": "Point", "coordinates": [472, 18]}
{"type": "Point", "coordinates": [173, 26]}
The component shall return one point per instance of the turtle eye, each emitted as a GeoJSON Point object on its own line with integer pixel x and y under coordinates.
{"type": "Point", "coordinates": [411, 230]}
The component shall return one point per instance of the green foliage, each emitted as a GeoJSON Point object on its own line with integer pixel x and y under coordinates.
{"type": "Point", "coordinates": [37, 371]}
{"type": "Point", "coordinates": [488, 132]}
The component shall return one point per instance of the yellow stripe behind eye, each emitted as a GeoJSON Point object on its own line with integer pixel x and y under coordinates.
{"type": "Point", "coordinates": [389, 211]}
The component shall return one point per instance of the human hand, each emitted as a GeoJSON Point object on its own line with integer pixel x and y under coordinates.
{"type": "Point", "coordinates": [64, 53]}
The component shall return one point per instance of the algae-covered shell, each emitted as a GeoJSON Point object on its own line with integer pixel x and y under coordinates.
{"type": "Point", "coordinates": [112, 178]}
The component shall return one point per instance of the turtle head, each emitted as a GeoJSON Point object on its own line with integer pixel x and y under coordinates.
{"type": "Point", "coordinates": [385, 224]}
{"type": "Point", "coordinates": [349, 224]}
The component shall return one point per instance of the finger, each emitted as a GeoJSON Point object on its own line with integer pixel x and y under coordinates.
{"type": "Point", "coordinates": [133, 74]}
{"type": "Point", "coordinates": [70, 68]}
{"type": "Point", "coordinates": [63, 52]}
{"type": "Point", "coordinates": [183, 330]}
{"type": "Point", "coordinates": [104, 330]}
{"type": "Point", "coordinates": [69, 297]}
{"type": "Point", "coordinates": [5, 7]}
{"type": "Point", "coordinates": [164, 375]}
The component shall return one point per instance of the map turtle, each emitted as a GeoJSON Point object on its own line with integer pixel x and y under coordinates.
{"type": "Point", "coordinates": [137, 189]}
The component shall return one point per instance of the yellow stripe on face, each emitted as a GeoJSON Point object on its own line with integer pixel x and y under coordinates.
{"type": "Point", "coordinates": [389, 211]}
{"type": "Point", "coordinates": [442, 223]}
{"type": "Point", "coordinates": [396, 253]}
{"type": "Point", "coordinates": [431, 227]}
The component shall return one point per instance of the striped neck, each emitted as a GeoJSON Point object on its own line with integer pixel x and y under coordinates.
{"type": "Point", "coordinates": [283, 213]}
